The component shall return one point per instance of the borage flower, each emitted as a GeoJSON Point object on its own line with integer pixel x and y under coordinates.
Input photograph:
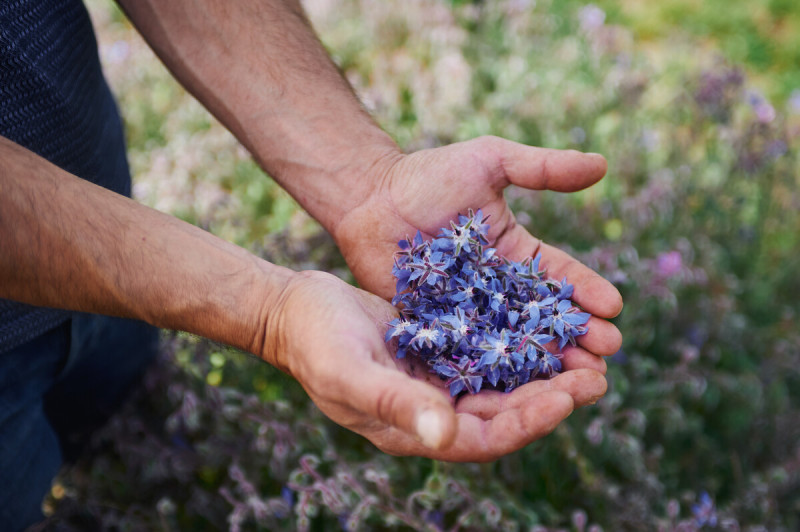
{"type": "Point", "coordinates": [476, 319]}
{"type": "Point", "coordinates": [460, 376]}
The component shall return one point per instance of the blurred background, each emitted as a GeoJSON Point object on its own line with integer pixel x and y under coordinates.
{"type": "Point", "coordinates": [696, 105]}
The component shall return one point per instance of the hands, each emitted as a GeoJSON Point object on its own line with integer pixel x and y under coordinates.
{"type": "Point", "coordinates": [424, 191]}
{"type": "Point", "coordinates": [329, 336]}
{"type": "Point", "coordinates": [313, 142]}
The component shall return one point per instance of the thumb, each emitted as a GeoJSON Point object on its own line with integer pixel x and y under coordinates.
{"type": "Point", "coordinates": [544, 168]}
{"type": "Point", "coordinates": [413, 406]}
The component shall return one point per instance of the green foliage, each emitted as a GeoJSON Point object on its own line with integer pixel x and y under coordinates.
{"type": "Point", "coordinates": [761, 34]}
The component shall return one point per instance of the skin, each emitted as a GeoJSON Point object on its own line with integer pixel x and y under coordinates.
{"type": "Point", "coordinates": [260, 69]}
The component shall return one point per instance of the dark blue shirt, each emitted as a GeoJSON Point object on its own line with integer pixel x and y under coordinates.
{"type": "Point", "coordinates": [55, 102]}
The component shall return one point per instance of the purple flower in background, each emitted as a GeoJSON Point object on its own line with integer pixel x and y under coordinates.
{"type": "Point", "coordinates": [704, 511]}
{"type": "Point", "coordinates": [794, 101]}
{"type": "Point", "coordinates": [718, 91]}
{"type": "Point", "coordinates": [591, 17]}
{"type": "Point", "coordinates": [579, 520]}
{"type": "Point", "coordinates": [669, 263]}
{"type": "Point", "coordinates": [477, 319]}
{"type": "Point", "coordinates": [776, 149]}
{"type": "Point", "coordinates": [765, 112]}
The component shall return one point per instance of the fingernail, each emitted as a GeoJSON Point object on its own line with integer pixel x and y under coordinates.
{"type": "Point", "coordinates": [429, 429]}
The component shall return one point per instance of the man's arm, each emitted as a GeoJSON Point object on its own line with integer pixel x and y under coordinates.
{"type": "Point", "coordinates": [258, 66]}
{"type": "Point", "coordinates": [67, 243]}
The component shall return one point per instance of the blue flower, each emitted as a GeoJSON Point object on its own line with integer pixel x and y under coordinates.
{"type": "Point", "coordinates": [461, 375]}
{"type": "Point", "coordinates": [429, 335]}
{"type": "Point", "coordinates": [400, 326]}
{"type": "Point", "coordinates": [475, 318]}
{"type": "Point", "coordinates": [460, 237]}
{"type": "Point", "coordinates": [428, 268]}
{"type": "Point", "coordinates": [459, 324]}
{"type": "Point", "coordinates": [534, 309]}
{"type": "Point", "coordinates": [704, 511]}
{"type": "Point", "coordinates": [545, 364]}
{"type": "Point", "coordinates": [497, 294]}
{"type": "Point", "coordinates": [478, 225]}
{"type": "Point", "coordinates": [495, 349]}
{"type": "Point", "coordinates": [566, 322]}
{"type": "Point", "coordinates": [462, 292]}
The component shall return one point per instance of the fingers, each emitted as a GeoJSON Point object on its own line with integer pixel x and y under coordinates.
{"type": "Point", "coordinates": [510, 430]}
{"type": "Point", "coordinates": [543, 168]}
{"type": "Point", "coordinates": [416, 408]}
{"type": "Point", "coordinates": [584, 386]}
{"type": "Point", "coordinates": [480, 440]}
{"type": "Point", "coordinates": [579, 358]}
{"type": "Point", "coordinates": [565, 171]}
{"type": "Point", "coordinates": [603, 337]}
{"type": "Point", "coordinates": [592, 292]}
{"type": "Point", "coordinates": [492, 424]}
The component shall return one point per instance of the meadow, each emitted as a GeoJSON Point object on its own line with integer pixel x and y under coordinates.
{"type": "Point", "coordinates": [697, 224]}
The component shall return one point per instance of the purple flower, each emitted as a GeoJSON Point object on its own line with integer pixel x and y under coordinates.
{"type": "Point", "coordinates": [428, 268]}
{"type": "Point", "coordinates": [591, 17]}
{"type": "Point", "coordinates": [704, 511]}
{"type": "Point", "coordinates": [399, 327]}
{"type": "Point", "coordinates": [462, 375]}
{"type": "Point", "coordinates": [547, 365]}
{"type": "Point", "coordinates": [457, 323]}
{"type": "Point", "coordinates": [794, 101]}
{"type": "Point", "coordinates": [497, 350]}
{"type": "Point", "coordinates": [669, 263]}
{"type": "Point", "coordinates": [765, 112]}
{"type": "Point", "coordinates": [427, 336]}
{"type": "Point", "coordinates": [566, 322]}
{"type": "Point", "coordinates": [475, 318]}
{"type": "Point", "coordinates": [496, 292]}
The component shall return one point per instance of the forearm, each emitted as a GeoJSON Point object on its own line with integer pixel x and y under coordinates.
{"type": "Point", "coordinates": [259, 67]}
{"type": "Point", "coordinates": [67, 243]}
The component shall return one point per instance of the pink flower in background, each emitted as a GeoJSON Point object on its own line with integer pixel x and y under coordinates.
{"type": "Point", "coordinates": [794, 101]}
{"type": "Point", "coordinates": [591, 17]}
{"type": "Point", "coordinates": [765, 112]}
{"type": "Point", "coordinates": [669, 263]}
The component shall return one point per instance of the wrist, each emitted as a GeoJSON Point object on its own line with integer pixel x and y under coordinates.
{"type": "Point", "coordinates": [333, 169]}
{"type": "Point", "coordinates": [264, 320]}
{"type": "Point", "coordinates": [289, 315]}
{"type": "Point", "coordinates": [356, 179]}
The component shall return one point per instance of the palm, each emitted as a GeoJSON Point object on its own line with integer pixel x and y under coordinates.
{"type": "Point", "coordinates": [333, 344]}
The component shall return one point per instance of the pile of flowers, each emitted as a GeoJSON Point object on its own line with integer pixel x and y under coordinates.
{"type": "Point", "coordinates": [477, 318]}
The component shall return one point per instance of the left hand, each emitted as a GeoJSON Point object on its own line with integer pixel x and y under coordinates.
{"type": "Point", "coordinates": [425, 190]}
{"type": "Point", "coordinates": [329, 336]}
